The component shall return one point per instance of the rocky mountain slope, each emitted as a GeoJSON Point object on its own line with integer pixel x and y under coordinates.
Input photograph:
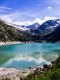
{"type": "Point", "coordinates": [48, 31]}
{"type": "Point", "coordinates": [11, 33]}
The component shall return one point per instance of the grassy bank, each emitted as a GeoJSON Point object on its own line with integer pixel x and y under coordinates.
{"type": "Point", "coordinates": [48, 73]}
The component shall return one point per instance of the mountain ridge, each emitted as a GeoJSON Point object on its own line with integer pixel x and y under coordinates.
{"type": "Point", "coordinates": [49, 31]}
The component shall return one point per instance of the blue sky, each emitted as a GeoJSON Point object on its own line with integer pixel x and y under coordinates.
{"type": "Point", "coordinates": [29, 10]}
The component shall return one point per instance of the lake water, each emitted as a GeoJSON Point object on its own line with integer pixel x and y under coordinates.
{"type": "Point", "coordinates": [30, 54]}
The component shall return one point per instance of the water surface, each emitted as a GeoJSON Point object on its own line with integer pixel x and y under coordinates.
{"type": "Point", "coordinates": [29, 54]}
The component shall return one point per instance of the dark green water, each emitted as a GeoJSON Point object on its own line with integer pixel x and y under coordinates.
{"type": "Point", "coordinates": [30, 54]}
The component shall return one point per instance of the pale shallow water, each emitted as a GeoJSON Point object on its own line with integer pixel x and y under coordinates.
{"type": "Point", "coordinates": [30, 54]}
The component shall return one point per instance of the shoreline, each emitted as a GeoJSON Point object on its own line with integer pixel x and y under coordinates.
{"type": "Point", "coordinates": [12, 42]}
{"type": "Point", "coordinates": [14, 74]}
{"type": "Point", "coordinates": [18, 74]}
{"type": "Point", "coordinates": [9, 43]}
{"type": "Point", "coordinates": [16, 42]}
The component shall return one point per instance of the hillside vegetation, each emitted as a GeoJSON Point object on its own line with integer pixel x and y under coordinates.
{"type": "Point", "coordinates": [48, 73]}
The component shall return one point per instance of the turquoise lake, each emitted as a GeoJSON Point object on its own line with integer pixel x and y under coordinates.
{"type": "Point", "coordinates": [23, 55]}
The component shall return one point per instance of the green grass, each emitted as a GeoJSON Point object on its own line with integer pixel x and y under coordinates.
{"type": "Point", "coordinates": [51, 74]}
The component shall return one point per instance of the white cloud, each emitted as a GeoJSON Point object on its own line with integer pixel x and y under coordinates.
{"type": "Point", "coordinates": [9, 18]}
{"type": "Point", "coordinates": [49, 18]}
{"type": "Point", "coordinates": [19, 18]}
{"type": "Point", "coordinates": [38, 20]}
{"type": "Point", "coordinates": [49, 8]}
{"type": "Point", "coordinates": [3, 7]}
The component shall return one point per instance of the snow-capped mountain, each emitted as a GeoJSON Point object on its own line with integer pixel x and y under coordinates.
{"type": "Point", "coordinates": [27, 28]}
{"type": "Point", "coordinates": [49, 26]}
{"type": "Point", "coordinates": [48, 31]}
{"type": "Point", "coordinates": [33, 26]}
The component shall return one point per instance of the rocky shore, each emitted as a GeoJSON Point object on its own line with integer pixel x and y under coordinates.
{"type": "Point", "coordinates": [10, 42]}
{"type": "Point", "coordinates": [14, 74]}
{"type": "Point", "coordinates": [13, 42]}
{"type": "Point", "coordinates": [47, 72]}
